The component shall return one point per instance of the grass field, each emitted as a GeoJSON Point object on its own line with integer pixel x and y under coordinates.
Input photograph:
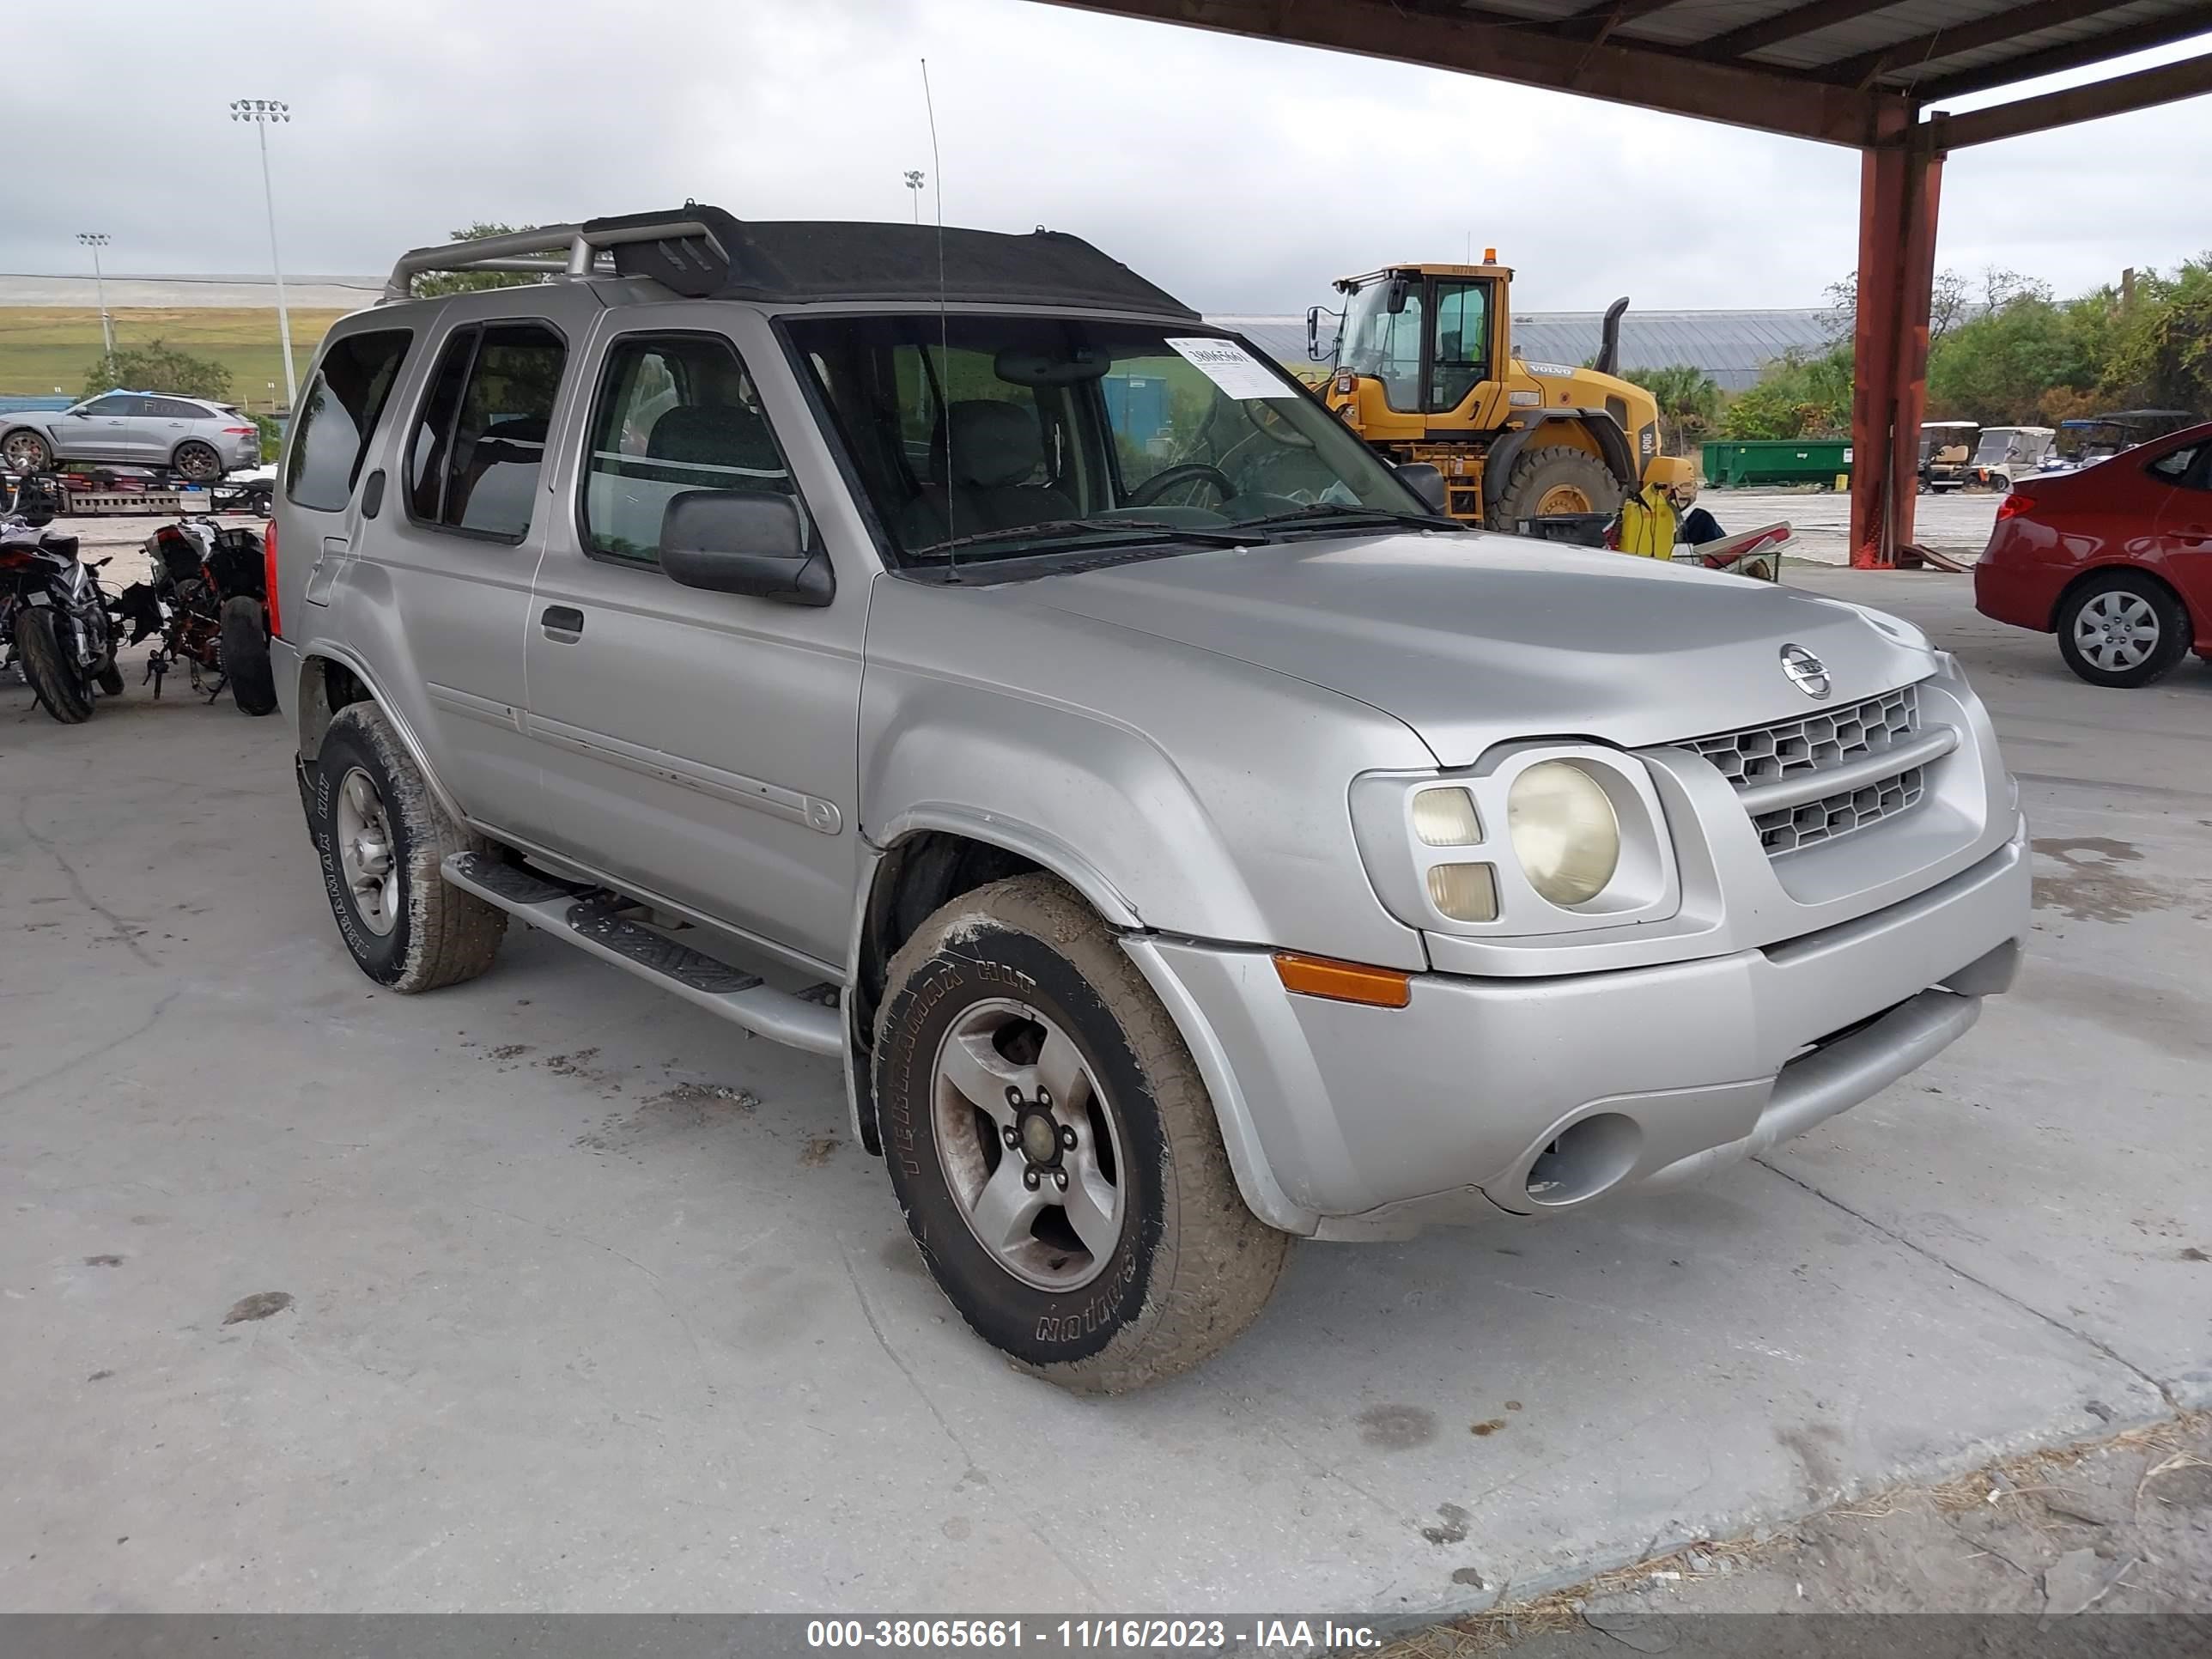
{"type": "Point", "coordinates": [43, 347]}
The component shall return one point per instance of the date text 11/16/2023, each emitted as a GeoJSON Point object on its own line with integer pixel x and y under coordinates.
{"type": "Point", "coordinates": [1088, 1635]}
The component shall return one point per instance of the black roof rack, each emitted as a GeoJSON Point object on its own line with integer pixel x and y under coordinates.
{"type": "Point", "coordinates": [704, 252]}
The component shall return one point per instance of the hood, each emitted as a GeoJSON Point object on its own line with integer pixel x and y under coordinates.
{"type": "Point", "coordinates": [1472, 640]}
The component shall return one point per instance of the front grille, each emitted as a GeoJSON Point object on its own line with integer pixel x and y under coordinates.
{"type": "Point", "coordinates": [1820, 743]}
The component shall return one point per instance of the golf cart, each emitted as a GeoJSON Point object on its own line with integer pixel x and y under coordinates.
{"type": "Point", "coordinates": [1945, 446]}
{"type": "Point", "coordinates": [2085, 442]}
{"type": "Point", "coordinates": [2006, 453]}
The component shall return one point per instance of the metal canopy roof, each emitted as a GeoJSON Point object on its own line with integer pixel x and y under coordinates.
{"type": "Point", "coordinates": [1859, 72]}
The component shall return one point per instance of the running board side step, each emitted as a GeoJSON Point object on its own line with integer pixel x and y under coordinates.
{"type": "Point", "coordinates": [589, 920]}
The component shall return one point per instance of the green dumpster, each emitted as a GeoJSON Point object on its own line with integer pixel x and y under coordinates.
{"type": "Point", "coordinates": [1732, 463]}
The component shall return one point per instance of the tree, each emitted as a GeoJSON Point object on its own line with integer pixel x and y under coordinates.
{"type": "Point", "coordinates": [157, 367]}
{"type": "Point", "coordinates": [2161, 351]}
{"type": "Point", "coordinates": [1948, 306]}
{"type": "Point", "coordinates": [1796, 396]}
{"type": "Point", "coordinates": [1689, 402]}
{"type": "Point", "coordinates": [469, 281]}
{"type": "Point", "coordinates": [1998, 368]}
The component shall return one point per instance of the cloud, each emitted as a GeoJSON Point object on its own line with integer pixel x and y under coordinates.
{"type": "Point", "coordinates": [1240, 175]}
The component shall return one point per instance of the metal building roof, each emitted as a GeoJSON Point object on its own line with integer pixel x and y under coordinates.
{"type": "Point", "coordinates": [1860, 72]}
{"type": "Point", "coordinates": [1731, 346]}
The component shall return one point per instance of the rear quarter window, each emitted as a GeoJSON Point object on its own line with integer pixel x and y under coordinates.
{"type": "Point", "coordinates": [338, 417]}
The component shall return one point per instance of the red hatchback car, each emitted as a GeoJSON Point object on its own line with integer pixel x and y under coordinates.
{"type": "Point", "coordinates": [2116, 559]}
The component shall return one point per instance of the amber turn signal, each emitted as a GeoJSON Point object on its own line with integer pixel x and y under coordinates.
{"type": "Point", "coordinates": [1344, 981]}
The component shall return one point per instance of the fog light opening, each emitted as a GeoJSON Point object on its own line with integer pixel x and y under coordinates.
{"type": "Point", "coordinates": [1585, 1159]}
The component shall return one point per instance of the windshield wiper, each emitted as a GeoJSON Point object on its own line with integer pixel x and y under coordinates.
{"type": "Point", "coordinates": [1321, 513]}
{"type": "Point", "coordinates": [1057, 531]}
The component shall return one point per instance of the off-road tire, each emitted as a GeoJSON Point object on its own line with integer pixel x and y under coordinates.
{"type": "Point", "coordinates": [25, 452]}
{"type": "Point", "coordinates": [1194, 1266]}
{"type": "Point", "coordinates": [61, 692]}
{"type": "Point", "coordinates": [2174, 634]}
{"type": "Point", "coordinates": [1556, 466]}
{"type": "Point", "coordinates": [197, 462]}
{"type": "Point", "coordinates": [246, 655]}
{"type": "Point", "coordinates": [442, 935]}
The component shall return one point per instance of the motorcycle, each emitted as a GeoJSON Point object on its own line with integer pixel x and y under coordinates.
{"type": "Point", "coordinates": [54, 624]}
{"type": "Point", "coordinates": [209, 604]}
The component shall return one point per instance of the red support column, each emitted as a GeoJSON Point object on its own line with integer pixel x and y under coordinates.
{"type": "Point", "coordinates": [1899, 191]}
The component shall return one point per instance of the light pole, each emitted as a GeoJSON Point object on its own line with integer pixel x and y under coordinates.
{"type": "Point", "coordinates": [913, 184]}
{"type": "Point", "coordinates": [262, 112]}
{"type": "Point", "coordinates": [96, 240]}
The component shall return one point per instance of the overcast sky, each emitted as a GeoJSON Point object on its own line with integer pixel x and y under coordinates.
{"type": "Point", "coordinates": [1241, 175]}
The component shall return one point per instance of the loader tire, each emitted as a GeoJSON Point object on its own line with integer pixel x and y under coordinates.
{"type": "Point", "coordinates": [1557, 479]}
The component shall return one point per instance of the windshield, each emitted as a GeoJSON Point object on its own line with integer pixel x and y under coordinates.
{"type": "Point", "coordinates": [989, 437]}
{"type": "Point", "coordinates": [1374, 343]}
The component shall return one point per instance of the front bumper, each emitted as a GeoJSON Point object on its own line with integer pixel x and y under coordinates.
{"type": "Point", "coordinates": [1527, 1096]}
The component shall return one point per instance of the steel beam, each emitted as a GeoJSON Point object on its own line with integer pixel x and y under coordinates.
{"type": "Point", "coordinates": [2162, 83]}
{"type": "Point", "coordinates": [1899, 194]}
{"type": "Point", "coordinates": [1938, 44]}
{"type": "Point", "coordinates": [1513, 48]}
{"type": "Point", "coordinates": [1789, 25]}
{"type": "Point", "coordinates": [2074, 54]}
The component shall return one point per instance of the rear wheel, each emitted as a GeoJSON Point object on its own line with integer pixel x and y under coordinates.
{"type": "Point", "coordinates": [63, 691]}
{"type": "Point", "coordinates": [1557, 479]}
{"type": "Point", "coordinates": [27, 451]}
{"type": "Point", "coordinates": [382, 838]}
{"type": "Point", "coordinates": [246, 655]}
{"type": "Point", "coordinates": [1054, 1150]}
{"type": "Point", "coordinates": [197, 462]}
{"type": "Point", "coordinates": [2122, 630]}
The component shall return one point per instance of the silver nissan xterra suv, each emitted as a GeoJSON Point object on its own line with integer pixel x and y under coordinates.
{"type": "Point", "coordinates": [944, 652]}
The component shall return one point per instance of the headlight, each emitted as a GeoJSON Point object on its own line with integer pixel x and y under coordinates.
{"type": "Point", "coordinates": [1543, 837]}
{"type": "Point", "coordinates": [1563, 831]}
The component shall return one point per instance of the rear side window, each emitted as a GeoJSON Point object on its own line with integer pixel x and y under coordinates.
{"type": "Point", "coordinates": [176, 408]}
{"type": "Point", "coordinates": [675, 412]}
{"type": "Point", "coordinates": [479, 443]}
{"type": "Point", "coordinates": [2173, 466]}
{"type": "Point", "coordinates": [338, 417]}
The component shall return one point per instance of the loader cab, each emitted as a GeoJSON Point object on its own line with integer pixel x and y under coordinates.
{"type": "Point", "coordinates": [1417, 346]}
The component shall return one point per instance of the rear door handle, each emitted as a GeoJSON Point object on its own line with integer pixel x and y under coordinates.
{"type": "Point", "coordinates": [2196, 535]}
{"type": "Point", "coordinates": [563, 623]}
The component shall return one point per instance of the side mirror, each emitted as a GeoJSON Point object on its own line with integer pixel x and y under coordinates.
{"type": "Point", "coordinates": [1394, 301]}
{"type": "Point", "coordinates": [82, 414]}
{"type": "Point", "coordinates": [1314, 314]}
{"type": "Point", "coordinates": [743, 541]}
{"type": "Point", "coordinates": [1426, 480]}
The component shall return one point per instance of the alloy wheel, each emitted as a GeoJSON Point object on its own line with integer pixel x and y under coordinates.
{"type": "Point", "coordinates": [366, 857]}
{"type": "Point", "coordinates": [1028, 1144]}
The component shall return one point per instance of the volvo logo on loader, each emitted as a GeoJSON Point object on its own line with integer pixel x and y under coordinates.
{"type": "Point", "coordinates": [1806, 671]}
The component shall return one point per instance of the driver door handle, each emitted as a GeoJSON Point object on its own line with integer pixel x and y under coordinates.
{"type": "Point", "coordinates": [563, 623]}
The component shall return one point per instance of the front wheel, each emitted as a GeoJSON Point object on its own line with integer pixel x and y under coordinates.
{"type": "Point", "coordinates": [1557, 479]}
{"type": "Point", "coordinates": [27, 451]}
{"type": "Point", "coordinates": [62, 691]}
{"type": "Point", "coordinates": [382, 837]}
{"type": "Point", "coordinates": [1054, 1150]}
{"type": "Point", "coordinates": [246, 655]}
{"type": "Point", "coordinates": [2122, 630]}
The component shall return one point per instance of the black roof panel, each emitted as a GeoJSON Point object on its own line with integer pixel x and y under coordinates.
{"type": "Point", "coordinates": [806, 260]}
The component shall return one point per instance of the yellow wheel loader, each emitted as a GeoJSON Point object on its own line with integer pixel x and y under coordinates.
{"type": "Point", "coordinates": [1424, 370]}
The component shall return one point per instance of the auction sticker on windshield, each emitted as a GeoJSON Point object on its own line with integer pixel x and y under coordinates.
{"type": "Point", "coordinates": [1234, 369]}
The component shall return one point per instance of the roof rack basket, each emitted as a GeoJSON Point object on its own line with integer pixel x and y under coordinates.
{"type": "Point", "coordinates": [585, 249]}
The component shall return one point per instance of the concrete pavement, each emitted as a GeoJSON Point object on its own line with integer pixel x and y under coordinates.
{"type": "Point", "coordinates": [595, 1308]}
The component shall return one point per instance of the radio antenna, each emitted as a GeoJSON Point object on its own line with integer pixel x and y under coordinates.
{"type": "Point", "coordinates": [943, 329]}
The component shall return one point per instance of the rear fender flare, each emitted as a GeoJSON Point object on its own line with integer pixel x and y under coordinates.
{"type": "Point", "coordinates": [311, 696]}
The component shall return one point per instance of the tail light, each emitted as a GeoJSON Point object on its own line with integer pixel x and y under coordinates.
{"type": "Point", "coordinates": [239, 431]}
{"type": "Point", "coordinates": [269, 577]}
{"type": "Point", "coordinates": [2012, 506]}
